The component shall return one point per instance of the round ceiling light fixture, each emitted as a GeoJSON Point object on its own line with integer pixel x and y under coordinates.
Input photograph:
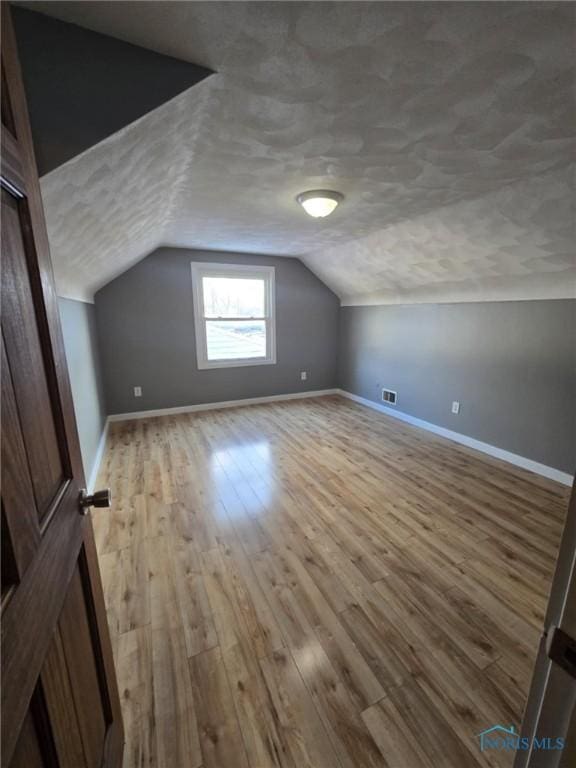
{"type": "Point", "coordinates": [319, 202]}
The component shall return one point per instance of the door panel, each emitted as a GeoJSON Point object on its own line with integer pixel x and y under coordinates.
{"type": "Point", "coordinates": [550, 710]}
{"type": "Point", "coordinates": [59, 698]}
{"type": "Point", "coordinates": [27, 366]}
{"type": "Point", "coordinates": [74, 629]}
{"type": "Point", "coordinates": [17, 494]}
{"type": "Point", "coordinates": [27, 753]}
{"type": "Point", "coordinates": [76, 702]}
{"type": "Point", "coordinates": [9, 576]}
{"type": "Point", "coordinates": [60, 701]}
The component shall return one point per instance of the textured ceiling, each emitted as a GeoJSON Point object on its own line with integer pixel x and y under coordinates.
{"type": "Point", "coordinates": [449, 127]}
{"type": "Point", "coordinates": [83, 86]}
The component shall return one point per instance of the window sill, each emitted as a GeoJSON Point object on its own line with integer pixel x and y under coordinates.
{"type": "Point", "coordinates": [206, 366]}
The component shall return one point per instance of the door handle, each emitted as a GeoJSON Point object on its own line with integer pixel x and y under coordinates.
{"type": "Point", "coordinates": [101, 498]}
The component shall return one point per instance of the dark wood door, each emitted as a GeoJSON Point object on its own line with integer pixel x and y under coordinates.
{"type": "Point", "coordinates": [60, 703]}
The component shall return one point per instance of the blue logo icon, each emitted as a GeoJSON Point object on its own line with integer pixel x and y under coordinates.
{"type": "Point", "coordinates": [497, 737]}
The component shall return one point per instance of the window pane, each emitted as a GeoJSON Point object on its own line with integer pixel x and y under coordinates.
{"type": "Point", "coordinates": [233, 297]}
{"type": "Point", "coordinates": [235, 339]}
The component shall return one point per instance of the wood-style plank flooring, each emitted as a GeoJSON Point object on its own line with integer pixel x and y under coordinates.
{"type": "Point", "coordinates": [310, 584]}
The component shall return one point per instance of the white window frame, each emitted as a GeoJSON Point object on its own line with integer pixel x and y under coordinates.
{"type": "Point", "coordinates": [207, 269]}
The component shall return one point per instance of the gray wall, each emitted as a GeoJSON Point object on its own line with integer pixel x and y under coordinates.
{"type": "Point", "coordinates": [79, 331]}
{"type": "Point", "coordinates": [512, 366]}
{"type": "Point", "coordinates": [145, 324]}
{"type": "Point", "coordinates": [82, 86]}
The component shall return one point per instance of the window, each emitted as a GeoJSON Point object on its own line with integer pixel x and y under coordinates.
{"type": "Point", "coordinates": [234, 315]}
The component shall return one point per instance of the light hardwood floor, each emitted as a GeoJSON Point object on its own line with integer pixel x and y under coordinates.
{"type": "Point", "coordinates": [310, 584]}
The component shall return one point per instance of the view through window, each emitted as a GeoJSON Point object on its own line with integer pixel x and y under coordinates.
{"type": "Point", "coordinates": [242, 334]}
{"type": "Point", "coordinates": [234, 312]}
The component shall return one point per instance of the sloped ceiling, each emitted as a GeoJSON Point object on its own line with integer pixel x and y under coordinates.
{"type": "Point", "coordinates": [82, 86]}
{"type": "Point", "coordinates": [450, 128]}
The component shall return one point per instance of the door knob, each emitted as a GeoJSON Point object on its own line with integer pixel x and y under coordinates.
{"type": "Point", "coordinates": [98, 499]}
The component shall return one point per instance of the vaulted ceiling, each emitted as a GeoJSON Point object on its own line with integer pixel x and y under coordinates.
{"type": "Point", "coordinates": [449, 127]}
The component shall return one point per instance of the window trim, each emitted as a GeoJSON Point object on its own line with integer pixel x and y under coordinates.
{"type": "Point", "coordinates": [202, 269]}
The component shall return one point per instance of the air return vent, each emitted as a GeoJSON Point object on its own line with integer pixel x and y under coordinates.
{"type": "Point", "coordinates": [389, 396]}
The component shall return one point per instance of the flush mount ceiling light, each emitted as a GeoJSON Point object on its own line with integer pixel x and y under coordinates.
{"type": "Point", "coordinates": [319, 202]}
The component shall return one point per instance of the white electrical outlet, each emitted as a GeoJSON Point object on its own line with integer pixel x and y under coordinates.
{"type": "Point", "coordinates": [303, 375]}
{"type": "Point", "coordinates": [455, 407]}
{"type": "Point", "coordinates": [137, 391]}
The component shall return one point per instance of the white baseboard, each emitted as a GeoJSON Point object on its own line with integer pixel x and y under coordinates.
{"type": "Point", "coordinates": [219, 406]}
{"type": "Point", "coordinates": [98, 458]}
{"type": "Point", "coordinates": [457, 437]}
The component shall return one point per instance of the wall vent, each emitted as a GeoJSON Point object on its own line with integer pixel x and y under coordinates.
{"type": "Point", "coordinates": [389, 396]}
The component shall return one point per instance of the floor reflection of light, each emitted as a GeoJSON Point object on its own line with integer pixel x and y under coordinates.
{"type": "Point", "coordinates": [242, 477]}
{"type": "Point", "coordinates": [248, 457]}
{"type": "Point", "coordinates": [310, 657]}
